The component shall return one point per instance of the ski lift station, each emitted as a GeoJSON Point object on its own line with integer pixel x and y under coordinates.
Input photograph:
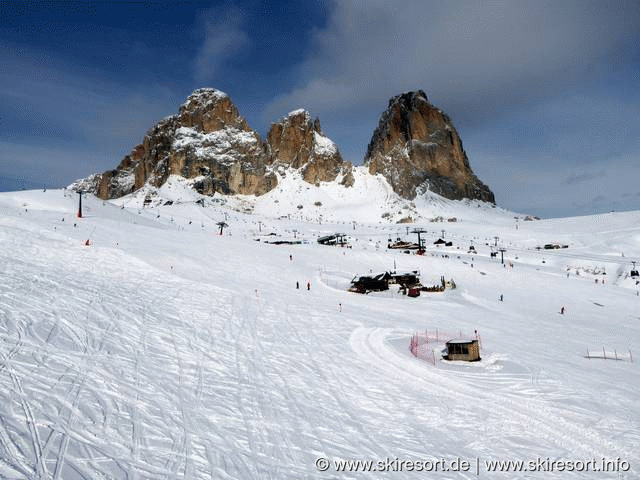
{"type": "Point", "coordinates": [334, 239]}
{"type": "Point", "coordinates": [462, 349]}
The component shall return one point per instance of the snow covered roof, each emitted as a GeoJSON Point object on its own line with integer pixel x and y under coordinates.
{"type": "Point", "coordinates": [461, 341]}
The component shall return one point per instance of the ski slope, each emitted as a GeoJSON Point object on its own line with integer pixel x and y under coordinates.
{"type": "Point", "coordinates": [163, 350]}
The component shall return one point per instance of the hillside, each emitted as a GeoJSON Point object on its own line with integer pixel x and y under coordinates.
{"type": "Point", "coordinates": [165, 350]}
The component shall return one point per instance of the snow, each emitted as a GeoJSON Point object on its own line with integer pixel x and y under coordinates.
{"type": "Point", "coordinates": [299, 111]}
{"type": "Point", "coordinates": [217, 144]}
{"type": "Point", "coordinates": [165, 350]}
{"type": "Point", "coordinates": [323, 146]}
{"type": "Point", "coordinates": [211, 95]}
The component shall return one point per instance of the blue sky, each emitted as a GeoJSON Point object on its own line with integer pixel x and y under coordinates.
{"type": "Point", "coordinates": [545, 95]}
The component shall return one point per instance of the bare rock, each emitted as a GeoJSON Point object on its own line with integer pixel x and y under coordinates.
{"type": "Point", "coordinates": [415, 147]}
{"type": "Point", "coordinates": [298, 142]}
{"type": "Point", "coordinates": [207, 140]}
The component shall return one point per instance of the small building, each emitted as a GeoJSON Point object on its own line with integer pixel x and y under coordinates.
{"type": "Point", "coordinates": [381, 282]}
{"type": "Point", "coordinates": [410, 279]}
{"type": "Point", "coordinates": [334, 239]}
{"type": "Point", "coordinates": [401, 245]}
{"type": "Point", "coordinates": [462, 349]}
{"type": "Point", "coordinates": [366, 284]}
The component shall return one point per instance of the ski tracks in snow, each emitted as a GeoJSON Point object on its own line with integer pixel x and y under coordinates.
{"type": "Point", "coordinates": [496, 410]}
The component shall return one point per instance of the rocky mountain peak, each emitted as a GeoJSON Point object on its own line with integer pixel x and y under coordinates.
{"type": "Point", "coordinates": [208, 110]}
{"type": "Point", "coordinates": [416, 147]}
{"type": "Point", "coordinates": [207, 141]}
{"type": "Point", "coordinates": [298, 142]}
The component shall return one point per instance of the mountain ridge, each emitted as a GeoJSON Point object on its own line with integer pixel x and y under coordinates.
{"type": "Point", "coordinates": [415, 147]}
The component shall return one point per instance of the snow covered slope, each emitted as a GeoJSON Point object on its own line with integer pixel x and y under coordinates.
{"type": "Point", "coordinates": [164, 350]}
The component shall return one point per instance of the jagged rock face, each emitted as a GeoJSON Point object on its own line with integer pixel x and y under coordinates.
{"type": "Point", "coordinates": [207, 140]}
{"type": "Point", "coordinates": [208, 110]}
{"type": "Point", "coordinates": [299, 143]}
{"type": "Point", "coordinates": [415, 147]}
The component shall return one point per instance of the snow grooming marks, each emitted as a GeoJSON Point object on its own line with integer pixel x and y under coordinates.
{"type": "Point", "coordinates": [543, 421]}
{"type": "Point", "coordinates": [220, 368]}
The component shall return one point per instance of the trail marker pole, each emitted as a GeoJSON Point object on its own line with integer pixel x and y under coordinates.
{"type": "Point", "coordinates": [79, 214]}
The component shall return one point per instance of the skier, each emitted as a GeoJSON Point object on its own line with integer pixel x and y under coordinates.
{"type": "Point", "coordinates": [297, 285]}
{"type": "Point", "coordinates": [501, 297]}
{"type": "Point", "coordinates": [562, 310]}
{"type": "Point", "coordinates": [291, 257]}
{"type": "Point", "coordinates": [308, 285]}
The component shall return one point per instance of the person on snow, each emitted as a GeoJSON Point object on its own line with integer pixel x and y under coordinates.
{"type": "Point", "coordinates": [308, 285]}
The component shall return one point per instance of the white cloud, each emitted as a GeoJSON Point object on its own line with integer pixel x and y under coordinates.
{"type": "Point", "coordinates": [59, 125]}
{"type": "Point", "coordinates": [533, 86]}
{"type": "Point", "coordinates": [224, 38]}
{"type": "Point", "coordinates": [470, 53]}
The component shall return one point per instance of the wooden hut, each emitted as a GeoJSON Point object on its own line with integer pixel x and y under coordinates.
{"type": "Point", "coordinates": [462, 349]}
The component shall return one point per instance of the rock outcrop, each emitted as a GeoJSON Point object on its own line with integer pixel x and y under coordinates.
{"type": "Point", "coordinates": [298, 142]}
{"type": "Point", "coordinates": [416, 148]}
{"type": "Point", "coordinates": [207, 141]}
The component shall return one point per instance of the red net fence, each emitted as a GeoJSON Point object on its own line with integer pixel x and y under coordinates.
{"type": "Point", "coordinates": [429, 344]}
